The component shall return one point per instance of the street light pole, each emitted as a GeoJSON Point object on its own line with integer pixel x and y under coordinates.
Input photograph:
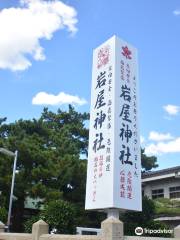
{"type": "Point", "coordinates": [14, 154]}
{"type": "Point", "coordinates": [12, 189]}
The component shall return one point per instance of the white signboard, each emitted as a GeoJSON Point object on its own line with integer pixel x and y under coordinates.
{"type": "Point", "coordinates": [114, 166]}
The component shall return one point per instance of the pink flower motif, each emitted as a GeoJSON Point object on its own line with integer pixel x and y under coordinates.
{"type": "Point", "coordinates": [103, 56]}
{"type": "Point", "coordinates": [126, 52]}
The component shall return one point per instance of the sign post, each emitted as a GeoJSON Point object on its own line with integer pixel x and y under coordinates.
{"type": "Point", "coordinates": [114, 166]}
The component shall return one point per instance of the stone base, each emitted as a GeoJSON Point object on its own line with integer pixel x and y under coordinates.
{"type": "Point", "coordinates": [177, 232]}
{"type": "Point", "coordinates": [112, 229]}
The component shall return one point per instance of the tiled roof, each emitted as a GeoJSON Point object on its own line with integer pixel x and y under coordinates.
{"type": "Point", "coordinates": [161, 172]}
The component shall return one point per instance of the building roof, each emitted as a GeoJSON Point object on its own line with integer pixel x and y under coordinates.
{"type": "Point", "coordinates": [176, 218]}
{"type": "Point", "coordinates": [161, 172]}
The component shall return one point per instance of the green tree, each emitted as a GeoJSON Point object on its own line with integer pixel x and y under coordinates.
{"type": "Point", "coordinates": [148, 163]}
{"type": "Point", "coordinates": [168, 207]}
{"type": "Point", "coordinates": [49, 161]}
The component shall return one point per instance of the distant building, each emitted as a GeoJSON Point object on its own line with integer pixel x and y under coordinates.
{"type": "Point", "coordinates": [163, 184]}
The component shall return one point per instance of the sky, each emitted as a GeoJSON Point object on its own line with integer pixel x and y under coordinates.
{"type": "Point", "coordinates": [46, 60]}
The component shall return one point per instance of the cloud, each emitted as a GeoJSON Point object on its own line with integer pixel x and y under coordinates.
{"type": "Point", "coordinates": [155, 136]}
{"type": "Point", "coordinates": [162, 148]}
{"type": "Point", "coordinates": [176, 12]}
{"type": "Point", "coordinates": [142, 139]}
{"type": "Point", "coordinates": [43, 98]}
{"type": "Point", "coordinates": [172, 109]}
{"type": "Point", "coordinates": [22, 28]}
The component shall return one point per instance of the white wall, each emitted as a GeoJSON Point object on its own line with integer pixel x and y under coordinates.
{"type": "Point", "coordinates": [158, 184]}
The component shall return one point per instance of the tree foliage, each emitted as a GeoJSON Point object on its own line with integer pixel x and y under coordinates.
{"type": "Point", "coordinates": [148, 162]}
{"type": "Point", "coordinates": [3, 214]}
{"type": "Point", "coordinates": [49, 163]}
{"type": "Point", "coordinates": [59, 214]}
{"type": "Point", "coordinates": [29, 222]}
{"type": "Point", "coordinates": [167, 207]}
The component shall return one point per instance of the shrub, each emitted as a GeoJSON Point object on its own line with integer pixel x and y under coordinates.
{"type": "Point", "coordinates": [28, 224]}
{"type": "Point", "coordinates": [60, 214]}
{"type": "Point", "coordinates": [3, 214]}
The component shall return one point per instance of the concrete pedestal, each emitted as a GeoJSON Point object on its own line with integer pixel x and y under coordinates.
{"type": "Point", "coordinates": [2, 227]}
{"type": "Point", "coordinates": [39, 228]}
{"type": "Point", "coordinates": [112, 229]}
{"type": "Point", "coordinates": [177, 232]}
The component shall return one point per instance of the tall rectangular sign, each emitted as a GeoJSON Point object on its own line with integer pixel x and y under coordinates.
{"type": "Point", "coordinates": [114, 165]}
